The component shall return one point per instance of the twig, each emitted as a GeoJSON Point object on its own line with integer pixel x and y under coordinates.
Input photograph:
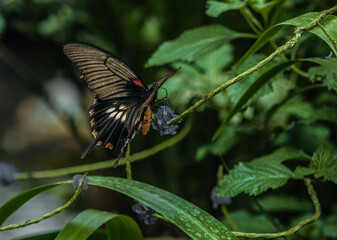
{"type": "Point", "coordinates": [292, 230]}
{"type": "Point", "coordinates": [48, 215]}
{"type": "Point", "coordinates": [106, 164]}
{"type": "Point", "coordinates": [332, 40]}
{"type": "Point", "coordinates": [128, 163]}
{"type": "Point", "coordinates": [289, 44]}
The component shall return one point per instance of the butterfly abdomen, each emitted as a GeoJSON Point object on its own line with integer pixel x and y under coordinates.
{"type": "Point", "coordinates": [146, 123]}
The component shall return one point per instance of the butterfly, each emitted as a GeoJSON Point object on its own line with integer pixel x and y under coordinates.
{"type": "Point", "coordinates": [122, 104]}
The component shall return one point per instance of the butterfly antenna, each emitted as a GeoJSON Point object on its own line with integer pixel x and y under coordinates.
{"type": "Point", "coordinates": [153, 75]}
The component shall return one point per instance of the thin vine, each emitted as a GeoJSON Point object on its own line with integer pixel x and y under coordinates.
{"type": "Point", "coordinates": [301, 224]}
{"type": "Point", "coordinates": [50, 214]}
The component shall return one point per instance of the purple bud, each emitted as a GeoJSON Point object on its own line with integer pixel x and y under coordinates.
{"type": "Point", "coordinates": [163, 116]}
{"type": "Point", "coordinates": [77, 181]}
{"type": "Point", "coordinates": [144, 213]}
{"type": "Point", "coordinates": [7, 173]}
{"type": "Point", "coordinates": [219, 200]}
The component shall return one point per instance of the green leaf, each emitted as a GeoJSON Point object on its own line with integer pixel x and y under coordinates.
{"type": "Point", "coordinates": [329, 173]}
{"type": "Point", "coordinates": [301, 172]}
{"type": "Point", "coordinates": [264, 7]}
{"type": "Point", "coordinates": [194, 221]}
{"type": "Point", "coordinates": [321, 158]}
{"type": "Point", "coordinates": [88, 221]}
{"type": "Point", "coordinates": [327, 70]}
{"type": "Point", "coordinates": [258, 84]}
{"type": "Point", "coordinates": [206, 76]}
{"type": "Point", "coordinates": [248, 222]}
{"type": "Point", "coordinates": [330, 226]}
{"type": "Point", "coordinates": [284, 203]}
{"type": "Point", "coordinates": [284, 154]}
{"type": "Point", "coordinates": [123, 228]}
{"type": "Point", "coordinates": [193, 44]}
{"type": "Point", "coordinates": [298, 107]}
{"type": "Point", "coordinates": [323, 164]}
{"type": "Point", "coordinates": [213, 63]}
{"type": "Point", "coordinates": [329, 24]}
{"type": "Point", "coordinates": [254, 178]}
{"type": "Point", "coordinates": [259, 43]}
{"type": "Point", "coordinates": [9, 207]}
{"type": "Point", "coordinates": [324, 113]}
{"type": "Point", "coordinates": [215, 8]}
{"type": "Point", "coordinates": [222, 145]}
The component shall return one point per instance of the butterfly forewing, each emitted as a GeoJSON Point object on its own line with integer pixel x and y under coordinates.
{"type": "Point", "coordinates": [122, 103]}
{"type": "Point", "coordinates": [107, 76]}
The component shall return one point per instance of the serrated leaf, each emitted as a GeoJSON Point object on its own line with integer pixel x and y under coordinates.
{"type": "Point", "coordinates": [215, 8]}
{"type": "Point", "coordinates": [282, 203]}
{"type": "Point", "coordinates": [88, 221]}
{"type": "Point", "coordinates": [194, 43]}
{"type": "Point", "coordinates": [301, 172]}
{"type": "Point", "coordinates": [194, 221]}
{"type": "Point", "coordinates": [9, 207]}
{"type": "Point", "coordinates": [329, 24]}
{"type": "Point", "coordinates": [323, 164]}
{"type": "Point", "coordinates": [321, 158]}
{"type": "Point", "coordinates": [254, 178]}
{"type": "Point", "coordinates": [329, 173]}
{"type": "Point", "coordinates": [327, 70]}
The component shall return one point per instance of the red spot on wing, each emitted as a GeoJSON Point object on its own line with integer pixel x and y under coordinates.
{"type": "Point", "coordinates": [138, 82]}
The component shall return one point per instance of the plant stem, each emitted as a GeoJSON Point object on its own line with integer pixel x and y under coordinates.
{"type": "Point", "coordinates": [301, 224]}
{"type": "Point", "coordinates": [228, 218]}
{"type": "Point", "coordinates": [333, 41]}
{"type": "Point", "coordinates": [48, 215]}
{"type": "Point", "coordinates": [128, 164]}
{"type": "Point", "coordinates": [294, 68]}
{"type": "Point", "coordinates": [289, 44]}
{"type": "Point", "coordinates": [251, 20]}
{"type": "Point", "coordinates": [106, 164]}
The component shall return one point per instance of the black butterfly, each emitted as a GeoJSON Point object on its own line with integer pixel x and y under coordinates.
{"type": "Point", "coordinates": [122, 103]}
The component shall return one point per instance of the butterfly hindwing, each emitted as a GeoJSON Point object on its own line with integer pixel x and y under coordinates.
{"type": "Point", "coordinates": [107, 76]}
{"type": "Point", "coordinates": [114, 123]}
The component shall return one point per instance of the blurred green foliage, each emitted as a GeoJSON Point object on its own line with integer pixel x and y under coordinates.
{"type": "Point", "coordinates": [285, 128]}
